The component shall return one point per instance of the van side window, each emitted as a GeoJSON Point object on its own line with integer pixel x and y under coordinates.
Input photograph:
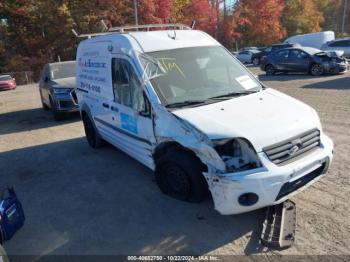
{"type": "Point", "coordinates": [127, 88]}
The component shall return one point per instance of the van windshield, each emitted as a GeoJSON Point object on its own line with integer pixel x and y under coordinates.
{"type": "Point", "coordinates": [197, 74]}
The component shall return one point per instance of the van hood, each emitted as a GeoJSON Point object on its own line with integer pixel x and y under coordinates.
{"type": "Point", "coordinates": [68, 82]}
{"type": "Point", "coordinates": [264, 118]}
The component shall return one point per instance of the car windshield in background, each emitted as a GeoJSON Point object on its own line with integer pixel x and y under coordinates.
{"type": "Point", "coordinates": [5, 77]}
{"type": "Point", "coordinates": [194, 75]}
{"type": "Point", "coordinates": [62, 70]}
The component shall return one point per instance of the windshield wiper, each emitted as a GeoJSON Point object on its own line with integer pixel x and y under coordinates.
{"type": "Point", "coordinates": [234, 94]}
{"type": "Point", "coordinates": [185, 103]}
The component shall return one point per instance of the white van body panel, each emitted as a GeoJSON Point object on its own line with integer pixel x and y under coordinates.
{"type": "Point", "coordinates": [263, 119]}
{"type": "Point", "coordinates": [270, 126]}
{"type": "Point", "coordinates": [315, 40]}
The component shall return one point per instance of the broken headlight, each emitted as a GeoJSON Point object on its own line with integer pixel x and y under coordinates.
{"type": "Point", "coordinates": [238, 154]}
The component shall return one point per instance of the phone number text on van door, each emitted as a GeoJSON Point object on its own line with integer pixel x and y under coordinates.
{"type": "Point", "coordinates": [90, 87]}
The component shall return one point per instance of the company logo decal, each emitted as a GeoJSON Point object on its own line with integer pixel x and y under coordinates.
{"type": "Point", "coordinates": [90, 64]}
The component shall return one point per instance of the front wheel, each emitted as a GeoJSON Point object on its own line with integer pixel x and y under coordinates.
{"type": "Point", "coordinates": [270, 70]}
{"type": "Point", "coordinates": [179, 175]}
{"type": "Point", "coordinates": [316, 70]}
{"type": "Point", "coordinates": [256, 61]}
{"type": "Point", "coordinates": [91, 135]}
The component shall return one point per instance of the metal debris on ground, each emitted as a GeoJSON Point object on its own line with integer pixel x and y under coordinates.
{"type": "Point", "coordinates": [279, 225]}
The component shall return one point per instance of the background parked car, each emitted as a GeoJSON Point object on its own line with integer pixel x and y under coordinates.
{"type": "Point", "coordinates": [256, 58]}
{"type": "Point", "coordinates": [246, 56]}
{"type": "Point", "coordinates": [304, 59]}
{"type": "Point", "coordinates": [56, 86]}
{"type": "Point", "coordinates": [7, 82]}
{"type": "Point", "coordinates": [338, 44]}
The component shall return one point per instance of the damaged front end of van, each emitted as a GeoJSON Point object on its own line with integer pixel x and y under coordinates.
{"type": "Point", "coordinates": [253, 159]}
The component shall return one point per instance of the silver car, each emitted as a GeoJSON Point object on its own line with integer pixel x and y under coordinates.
{"type": "Point", "coordinates": [245, 56]}
{"type": "Point", "coordinates": [338, 45]}
{"type": "Point", "coordinates": [56, 86]}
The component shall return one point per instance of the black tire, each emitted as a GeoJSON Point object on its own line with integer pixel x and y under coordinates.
{"type": "Point", "coordinates": [256, 61]}
{"type": "Point", "coordinates": [316, 70]}
{"type": "Point", "coordinates": [179, 175]}
{"type": "Point", "coordinates": [270, 70]}
{"type": "Point", "coordinates": [58, 116]}
{"type": "Point", "coordinates": [91, 134]}
{"type": "Point", "coordinates": [45, 107]}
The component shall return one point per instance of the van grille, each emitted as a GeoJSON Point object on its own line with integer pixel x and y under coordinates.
{"type": "Point", "coordinates": [293, 147]}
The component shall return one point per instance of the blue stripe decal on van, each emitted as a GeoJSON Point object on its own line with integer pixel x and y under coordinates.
{"type": "Point", "coordinates": [122, 131]}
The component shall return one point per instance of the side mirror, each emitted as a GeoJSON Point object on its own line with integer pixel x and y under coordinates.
{"type": "Point", "coordinates": [46, 79]}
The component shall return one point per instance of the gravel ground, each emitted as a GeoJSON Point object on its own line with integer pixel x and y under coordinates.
{"type": "Point", "coordinates": [83, 201]}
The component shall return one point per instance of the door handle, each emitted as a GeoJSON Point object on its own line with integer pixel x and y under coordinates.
{"type": "Point", "coordinates": [105, 105]}
{"type": "Point", "coordinates": [114, 109]}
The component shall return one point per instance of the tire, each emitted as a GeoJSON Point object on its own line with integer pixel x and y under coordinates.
{"type": "Point", "coordinates": [179, 175]}
{"type": "Point", "coordinates": [92, 136]}
{"type": "Point", "coordinates": [45, 107]}
{"type": "Point", "coordinates": [316, 70]}
{"type": "Point", "coordinates": [58, 116]}
{"type": "Point", "coordinates": [256, 61]}
{"type": "Point", "coordinates": [270, 70]}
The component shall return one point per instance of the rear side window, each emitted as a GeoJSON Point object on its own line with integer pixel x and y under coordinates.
{"type": "Point", "coordinates": [126, 85]}
{"type": "Point", "coordinates": [340, 43]}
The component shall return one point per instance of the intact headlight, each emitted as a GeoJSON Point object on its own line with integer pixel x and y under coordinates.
{"type": "Point", "coordinates": [61, 90]}
{"type": "Point", "coordinates": [237, 153]}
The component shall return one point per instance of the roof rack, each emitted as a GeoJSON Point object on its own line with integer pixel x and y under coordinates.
{"type": "Point", "coordinates": [133, 28]}
{"type": "Point", "coordinates": [122, 29]}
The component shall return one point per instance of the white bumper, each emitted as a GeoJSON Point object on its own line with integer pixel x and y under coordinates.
{"type": "Point", "coordinates": [267, 181]}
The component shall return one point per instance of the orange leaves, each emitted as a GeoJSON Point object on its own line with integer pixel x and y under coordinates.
{"type": "Point", "coordinates": [259, 21]}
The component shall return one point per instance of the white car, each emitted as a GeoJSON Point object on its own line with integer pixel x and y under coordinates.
{"type": "Point", "coordinates": [245, 56]}
{"type": "Point", "coordinates": [180, 103]}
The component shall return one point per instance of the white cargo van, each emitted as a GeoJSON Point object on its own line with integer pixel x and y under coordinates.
{"type": "Point", "coordinates": [315, 40]}
{"type": "Point", "coordinates": [181, 104]}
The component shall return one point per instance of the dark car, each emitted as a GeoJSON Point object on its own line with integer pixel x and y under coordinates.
{"type": "Point", "coordinates": [304, 59]}
{"type": "Point", "coordinates": [256, 58]}
{"type": "Point", "coordinates": [7, 82]}
{"type": "Point", "coordinates": [56, 86]}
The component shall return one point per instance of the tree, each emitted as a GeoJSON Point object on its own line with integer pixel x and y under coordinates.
{"type": "Point", "coordinates": [302, 17]}
{"type": "Point", "coordinates": [259, 21]}
{"type": "Point", "coordinates": [147, 10]}
{"type": "Point", "coordinates": [202, 12]}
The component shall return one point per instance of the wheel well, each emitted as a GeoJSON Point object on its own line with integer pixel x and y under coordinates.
{"type": "Point", "coordinates": [165, 147]}
{"type": "Point", "coordinates": [83, 114]}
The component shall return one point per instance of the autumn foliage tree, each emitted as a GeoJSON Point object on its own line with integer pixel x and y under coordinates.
{"type": "Point", "coordinates": [302, 17]}
{"type": "Point", "coordinates": [260, 21]}
{"type": "Point", "coordinates": [203, 12]}
{"type": "Point", "coordinates": [36, 32]}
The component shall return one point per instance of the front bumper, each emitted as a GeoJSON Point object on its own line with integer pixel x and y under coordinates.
{"type": "Point", "coordinates": [337, 68]}
{"type": "Point", "coordinates": [65, 103]}
{"type": "Point", "coordinates": [7, 87]}
{"type": "Point", "coordinates": [273, 184]}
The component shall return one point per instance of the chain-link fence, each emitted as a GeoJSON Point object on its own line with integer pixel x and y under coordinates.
{"type": "Point", "coordinates": [22, 78]}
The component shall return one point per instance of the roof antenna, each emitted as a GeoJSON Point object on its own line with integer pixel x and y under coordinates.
{"type": "Point", "coordinates": [193, 24]}
{"type": "Point", "coordinates": [104, 25]}
{"type": "Point", "coordinates": [174, 36]}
